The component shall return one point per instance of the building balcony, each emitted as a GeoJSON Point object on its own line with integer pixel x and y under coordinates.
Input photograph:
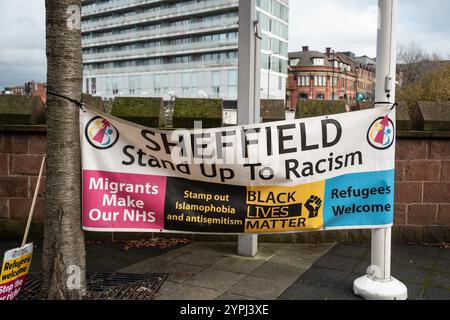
{"type": "Point", "coordinates": [191, 28]}
{"type": "Point", "coordinates": [160, 51]}
{"type": "Point", "coordinates": [197, 66]}
{"type": "Point", "coordinates": [88, 10]}
{"type": "Point", "coordinates": [159, 15]}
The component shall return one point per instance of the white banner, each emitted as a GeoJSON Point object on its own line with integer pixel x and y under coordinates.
{"type": "Point", "coordinates": [331, 172]}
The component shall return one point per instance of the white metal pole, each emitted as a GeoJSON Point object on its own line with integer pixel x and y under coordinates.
{"type": "Point", "coordinates": [257, 72]}
{"type": "Point", "coordinates": [379, 284]}
{"type": "Point", "coordinates": [248, 111]}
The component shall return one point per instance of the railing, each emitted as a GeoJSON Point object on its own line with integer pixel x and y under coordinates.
{"type": "Point", "coordinates": [163, 67]}
{"type": "Point", "coordinates": [157, 51]}
{"type": "Point", "coordinates": [88, 10]}
{"type": "Point", "coordinates": [164, 32]}
{"type": "Point", "coordinates": [157, 15]}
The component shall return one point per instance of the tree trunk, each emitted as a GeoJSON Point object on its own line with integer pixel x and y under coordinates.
{"type": "Point", "coordinates": [63, 263]}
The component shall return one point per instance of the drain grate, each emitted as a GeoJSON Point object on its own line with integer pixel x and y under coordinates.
{"type": "Point", "coordinates": [106, 286]}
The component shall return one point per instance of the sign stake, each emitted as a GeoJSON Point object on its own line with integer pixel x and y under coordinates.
{"type": "Point", "coordinates": [378, 284]}
{"type": "Point", "coordinates": [33, 204]}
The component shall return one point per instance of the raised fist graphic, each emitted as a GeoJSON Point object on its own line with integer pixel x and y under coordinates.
{"type": "Point", "coordinates": [313, 205]}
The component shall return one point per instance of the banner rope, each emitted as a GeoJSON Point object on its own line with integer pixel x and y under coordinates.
{"type": "Point", "coordinates": [80, 104]}
{"type": "Point", "coordinates": [394, 105]}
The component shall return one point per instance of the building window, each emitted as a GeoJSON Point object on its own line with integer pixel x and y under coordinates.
{"type": "Point", "coordinates": [320, 96]}
{"type": "Point", "coordinates": [186, 80]}
{"type": "Point", "coordinates": [216, 78]}
{"type": "Point", "coordinates": [318, 61]}
{"type": "Point", "coordinates": [320, 81]}
{"type": "Point", "coordinates": [303, 97]}
{"type": "Point", "coordinates": [294, 62]}
{"type": "Point", "coordinates": [303, 81]}
{"type": "Point", "coordinates": [232, 84]}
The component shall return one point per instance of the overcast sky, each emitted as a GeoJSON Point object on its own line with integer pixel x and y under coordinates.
{"type": "Point", "coordinates": [345, 25]}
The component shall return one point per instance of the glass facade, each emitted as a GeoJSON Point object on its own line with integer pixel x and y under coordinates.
{"type": "Point", "coordinates": [190, 48]}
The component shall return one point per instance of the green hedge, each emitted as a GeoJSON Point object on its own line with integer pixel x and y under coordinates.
{"type": "Point", "coordinates": [209, 111]}
{"type": "Point", "coordinates": [93, 102]}
{"type": "Point", "coordinates": [313, 108]}
{"type": "Point", "coordinates": [144, 111]}
{"type": "Point", "coordinates": [272, 110]}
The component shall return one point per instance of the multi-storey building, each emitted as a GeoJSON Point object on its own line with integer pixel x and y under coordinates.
{"type": "Point", "coordinates": [184, 48]}
{"type": "Point", "coordinates": [314, 75]}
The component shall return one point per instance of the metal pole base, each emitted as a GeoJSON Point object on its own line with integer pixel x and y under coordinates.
{"type": "Point", "coordinates": [248, 245]}
{"type": "Point", "coordinates": [370, 289]}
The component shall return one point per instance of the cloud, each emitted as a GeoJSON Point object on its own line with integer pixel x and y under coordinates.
{"type": "Point", "coordinates": [342, 24]}
{"type": "Point", "coordinates": [350, 25]}
{"type": "Point", "coordinates": [22, 42]}
{"type": "Point", "coordinates": [345, 25]}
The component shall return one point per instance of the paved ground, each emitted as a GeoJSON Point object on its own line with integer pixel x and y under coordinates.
{"type": "Point", "coordinates": [210, 271]}
{"type": "Point", "coordinates": [424, 270]}
{"type": "Point", "coordinates": [279, 271]}
{"type": "Point", "coordinates": [100, 257]}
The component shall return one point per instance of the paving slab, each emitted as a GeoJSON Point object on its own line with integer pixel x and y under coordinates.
{"type": "Point", "coordinates": [316, 292]}
{"type": "Point", "coordinates": [198, 258]}
{"type": "Point", "coordinates": [327, 279]}
{"type": "Point", "coordinates": [350, 251]}
{"type": "Point", "coordinates": [436, 294]}
{"type": "Point", "coordinates": [324, 277]}
{"type": "Point", "coordinates": [215, 279]}
{"type": "Point", "coordinates": [274, 270]}
{"type": "Point", "coordinates": [238, 264]}
{"type": "Point", "coordinates": [230, 296]}
{"type": "Point", "coordinates": [261, 288]}
{"type": "Point", "coordinates": [443, 265]}
{"type": "Point", "coordinates": [177, 272]}
{"type": "Point", "coordinates": [268, 250]}
{"type": "Point", "coordinates": [416, 250]}
{"type": "Point", "coordinates": [415, 291]}
{"type": "Point", "coordinates": [335, 262]}
{"type": "Point", "coordinates": [440, 280]}
{"type": "Point", "coordinates": [362, 266]}
{"type": "Point", "coordinates": [409, 273]}
{"type": "Point", "coordinates": [413, 261]}
{"type": "Point", "coordinates": [180, 291]}
{"type": "Point", "coordinates": [304, 261]}
{"type": "Point", "coordinates": [216, 267]}
{"type": "Point", "coordinates": [445, 254]}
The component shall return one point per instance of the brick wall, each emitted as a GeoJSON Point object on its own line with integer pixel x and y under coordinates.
{"type": "Point", "coordinates": [422, 208]}
{"type": "Point", "coordinates": [422, 196]}
{"type": "Point", "coordinates": [20, 160]}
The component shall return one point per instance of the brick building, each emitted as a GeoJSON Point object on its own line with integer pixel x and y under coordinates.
{"type": "Point", "coordinates": [30, 89]}
{"type": "Point", "coordinates": [14, 91]}
{"type": "Point", "coordinates": [314, 75]}
{"type": "Point", "coordinates": [33, 89]}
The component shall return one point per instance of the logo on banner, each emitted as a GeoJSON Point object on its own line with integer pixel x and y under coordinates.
{"type": "Point", "coordinates": [101, 134]}
{"type": "Point", "coordinates": [381, 133]}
